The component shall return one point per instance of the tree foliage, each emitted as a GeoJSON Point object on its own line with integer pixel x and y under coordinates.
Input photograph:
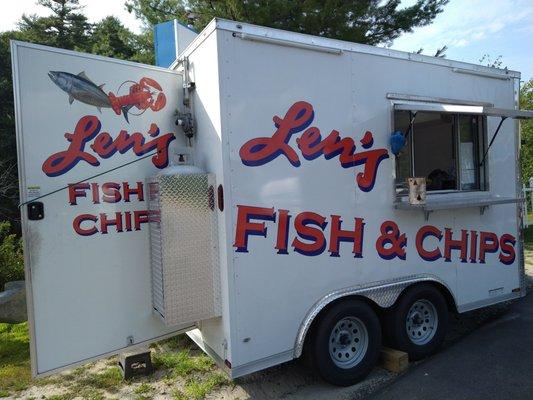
{"type": "Point", "coordinates": [66, 27]}
{"type": "Point", "coordinates": [362, 21]}
{"type": "Point", "coordinates": [11, 258]}
{"type": "Point", "coordinates": [526, 130]}
{"type": "Point", "coordinates": [8, 149]}
{"type": "Point", "coordinates": [111, 38]}
{"type": "Point", "coordinates": [490, 62]}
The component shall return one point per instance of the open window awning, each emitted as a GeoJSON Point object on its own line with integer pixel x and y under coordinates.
{"type": "Point", "coordinates": [464, 109]}
{"type": "Point", "coordinates": [502, 113]}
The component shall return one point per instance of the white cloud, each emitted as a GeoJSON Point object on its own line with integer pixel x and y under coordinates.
{"type": "Point", "coordinates": [463, 22]}
{"type": "Point", "coordinates": [479, 35]}
{"type": "Point", "coordinates": [459, 43]}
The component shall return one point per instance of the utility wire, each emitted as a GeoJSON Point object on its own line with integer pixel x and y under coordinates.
{"type": "Point", "coordinates": [90, 177]}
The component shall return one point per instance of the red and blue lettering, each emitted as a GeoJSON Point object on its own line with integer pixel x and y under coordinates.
{"type": "Point", "coordinates": [315, 236]}
{"type": "Point", "coordinates": [283, 231]}
{"type": "Point", "coordinates": [473, 246]}
{"type": "Point", "coordinates": [391, 243]}
{"type": "Point", "coordinates": [85, 231]}
{"type": "Point", "coordinates": [338, 235]}
{"type": "Point", "coordinates": [262, 150]}
{"type": "Point", "coordinates": [507, 251]}
{"type": "Point", "coordinates": [488, 243]}
{"type": "Point", "coordinates": [265, 149]}
{"type": "Point", "coordinates": [87, 129]}
{"type": "Point", "coordinates": [246, 228]}
{"type": "Point", "coordinates": [450, 244]}
{"type": "Point", "coordinates": [423, 233]}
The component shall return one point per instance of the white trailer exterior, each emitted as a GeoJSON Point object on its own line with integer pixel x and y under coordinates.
{"type": "Point", "coordinates": [305, 221]}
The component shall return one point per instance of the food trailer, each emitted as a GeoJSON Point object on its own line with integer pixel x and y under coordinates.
{"type": "Point", "coordinates": [265, 194]}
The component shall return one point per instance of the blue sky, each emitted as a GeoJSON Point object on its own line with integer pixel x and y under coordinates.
{"type": "Point", "coordinates": [470, 29]}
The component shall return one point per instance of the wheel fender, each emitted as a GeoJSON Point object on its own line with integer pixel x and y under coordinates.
{"type": "Point", "coordinates": [382, 293]}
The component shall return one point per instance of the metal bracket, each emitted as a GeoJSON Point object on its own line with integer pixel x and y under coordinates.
{"type": "Point", "coordinates": [482, 209]}
{"type": "Point", "coordinates": [188, 85]}
{"type": "Point", "coordinates": [412, 114]}
{"type": "Point", "coordinates": [186, 121]}
{"type": "Point", "coordinates": [426, 215]}
{"type": "Point", "coordinates": [492, 140]}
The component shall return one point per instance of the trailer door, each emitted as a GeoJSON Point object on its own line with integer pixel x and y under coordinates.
{"type": "Point", "coordinates": [90, 130]}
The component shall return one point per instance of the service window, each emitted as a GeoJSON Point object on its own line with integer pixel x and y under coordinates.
{"type": "Point", "coordinates": [444, 148]}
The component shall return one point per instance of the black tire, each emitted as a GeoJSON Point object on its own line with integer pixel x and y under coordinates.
{"type": "Point", "coordinates": [360, 313]}
{"type": "Point", "coordinates": [395, 322]}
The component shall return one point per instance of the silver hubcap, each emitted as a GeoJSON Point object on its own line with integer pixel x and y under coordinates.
{"type": "Point", "coordinates": [348, 342]}
{"type": "Point", "coordinates": [421, 322]}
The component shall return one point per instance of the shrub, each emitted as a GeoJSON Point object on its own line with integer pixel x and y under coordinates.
{"type": "Point", "coordinates": [11, 257]}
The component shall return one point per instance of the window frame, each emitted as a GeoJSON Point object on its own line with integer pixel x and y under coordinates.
{"type": "Point", "coordinates": [480, 144]}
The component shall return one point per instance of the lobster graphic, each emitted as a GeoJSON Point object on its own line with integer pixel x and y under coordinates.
{"type": "Point", "coordinates": [147, 94]}
{"type": "Point", "coordinates": [143, 95]}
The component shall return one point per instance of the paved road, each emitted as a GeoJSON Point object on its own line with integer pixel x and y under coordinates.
{"type": "Point", "coordinates": [494, 362]}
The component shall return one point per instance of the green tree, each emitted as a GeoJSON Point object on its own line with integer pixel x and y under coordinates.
{"type": "Point", "coordinates": [8, 148]}
{"type": "Point", "coordinates": [153, 12]}
{"type": "Point", "coordinates": [11, 258]}
{"type": "Point", "coordinates": [490, 62]}
{"type": "Point", "coordinates": [362, 21]}
{"type": "Point", "coordinates": [66, 27]}
{"type": "Point", "coordinates": [110, 38]}
{"type": "Point", "coordinates": [526, 130]}
{"type": "Point", "coordinates": [144, 47]}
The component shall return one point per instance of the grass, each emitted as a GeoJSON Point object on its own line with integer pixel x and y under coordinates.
{"type": "Point", "coordinates": [144, 391]}
{"type": "Point", "coordinates": [182, 363]}
{"type": "Point", "coordinates": [198, 389]}
{"type": "Point", "coordinates": [66, 396]}
{"type": "Point", "coordinates": [90, 394]}
{"type": "Point", "coordinates": [14, 358]}
{"type": "Point", "coordinates": [176, 357]}
{"type": "Point", "coordinates": [528, 236]}
{"type": "Point", "coordinates": [110, 379]}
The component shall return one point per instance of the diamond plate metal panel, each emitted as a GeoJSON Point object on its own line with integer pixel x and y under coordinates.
{"type": "Point", "coordinates": [184, 250]}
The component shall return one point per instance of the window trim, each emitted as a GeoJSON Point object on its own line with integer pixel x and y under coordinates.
{"type": "Point", "coordinates": [480, 139]}
{"type": "Point", "coordinates": [464, 109]}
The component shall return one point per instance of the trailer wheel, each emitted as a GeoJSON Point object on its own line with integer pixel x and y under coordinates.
{"type": "Point", "coordinates": [346, 343]}
{"type": "Point", "coordinates": [418, 322]}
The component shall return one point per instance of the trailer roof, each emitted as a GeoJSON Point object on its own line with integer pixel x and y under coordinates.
{"type": "Point", "coordinates": [287, 38]}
